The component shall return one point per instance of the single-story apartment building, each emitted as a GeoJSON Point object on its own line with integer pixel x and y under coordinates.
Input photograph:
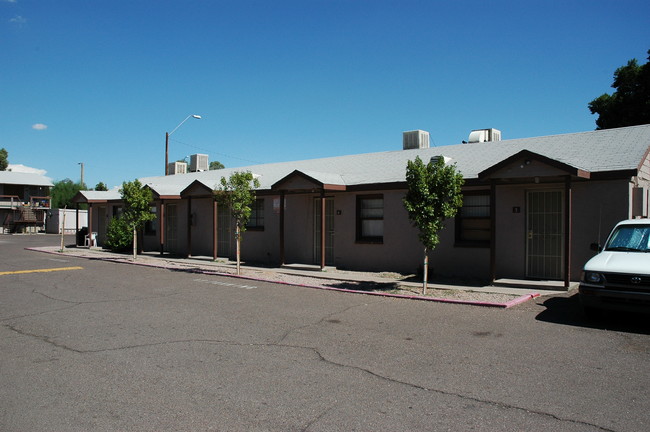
{"type": "Point", "coordinates": [532, 207]}
{"type": "Point", "coordinates": [102, 206]}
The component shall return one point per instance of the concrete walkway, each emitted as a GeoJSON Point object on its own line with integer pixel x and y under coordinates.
{"type": "Point", "coordinates": [519, 290]}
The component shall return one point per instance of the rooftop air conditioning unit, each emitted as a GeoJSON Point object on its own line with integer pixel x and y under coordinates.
{"type": "Point", "coordinates": [177, 168]}
{"type": "Point", "coordinates": [445, 159]}
{"type": "Point", "coordinates": [416, 139]}
{"type": "Point", "coordinates": [484, 135]}
{"type": "Point", "coordinates": [199, 162]}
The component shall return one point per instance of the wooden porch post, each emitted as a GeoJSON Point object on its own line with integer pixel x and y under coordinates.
{"type": "Point", "coordinates": [493, 231]}
{"type": "Point", "coordinates": [161, 226]}
{"type": "Point", "coordinates": [214, 229]}
{"type": "Point", "coordinates": [322, 229]}
{"type": "Point", "coordinates": [568, 202]}
{"type": "Point", "coordinates": [76, 223]}
{"type": "Point", "coordinates": [190, 222]}
{"type": "Point", "coordinates": [90, 225]}
{"type": "Point", "coordinates": [282, 228]}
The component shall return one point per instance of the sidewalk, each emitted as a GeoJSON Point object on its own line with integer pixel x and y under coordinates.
{"type": "Point", "coordinates": [503, 294]}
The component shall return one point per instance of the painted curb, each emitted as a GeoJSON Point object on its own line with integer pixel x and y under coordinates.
{"type": "Point", "coordinates": [506, 305]}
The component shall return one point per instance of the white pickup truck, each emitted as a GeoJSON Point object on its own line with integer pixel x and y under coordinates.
{"type": "Point", "coordinates": [618, 277]}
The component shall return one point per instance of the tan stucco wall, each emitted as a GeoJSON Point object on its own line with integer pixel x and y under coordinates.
{"type": "Point", "coordinates": [459, 262]}
{"type": "Point", "coordinates": [595, 203]}
{"type": "Point", "coordinates": [101, 216]}
{"type": "Point", "coordinates": [399, 250]}
{"type": "Point", "coordinates": [262, 246]}
{"type": "Point", "coordinates": [597, 206]}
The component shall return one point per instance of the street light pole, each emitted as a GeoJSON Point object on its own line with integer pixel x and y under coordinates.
{"type": "Point", "coordinates": [167, 134]}
{"type": "Point", "coordinates": [166, 153]}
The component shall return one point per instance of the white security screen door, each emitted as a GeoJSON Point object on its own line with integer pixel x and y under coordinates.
{"type": "Point", "coordinates": [545, 234]}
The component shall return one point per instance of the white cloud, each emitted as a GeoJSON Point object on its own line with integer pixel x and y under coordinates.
{"type": "Point", "coordinates": [9, 1]}
{"type": "Point", "coordinates": [18, 20]}
{"type": "Point", "coordinates": [39, 126]}
{"type": "Point", "coordinates": [25, 169]}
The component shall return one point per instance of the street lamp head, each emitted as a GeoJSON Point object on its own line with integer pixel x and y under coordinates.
{"type": "Point", "coordinates": [167, 134]}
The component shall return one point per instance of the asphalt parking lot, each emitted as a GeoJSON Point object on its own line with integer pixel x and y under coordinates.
{"type": "Point", "coordinates": [96, 345]}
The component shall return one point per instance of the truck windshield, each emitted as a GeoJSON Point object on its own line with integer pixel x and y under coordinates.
{"type": "Point", "coordinates": [630, 238]}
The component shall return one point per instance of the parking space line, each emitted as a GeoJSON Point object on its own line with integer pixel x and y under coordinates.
{"type": "Point", "coordinates": [40, 270]}
{"type": "Point", "coordinates": [248, 287]}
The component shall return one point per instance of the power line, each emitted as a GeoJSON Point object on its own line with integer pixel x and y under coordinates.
{"type": "Point", "coordinates": [213, 152]}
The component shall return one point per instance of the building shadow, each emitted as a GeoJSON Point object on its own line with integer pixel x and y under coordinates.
{"type": "Point", "coordinates": [384, 287]}
{"type": "Point", "coordinates": [566, 310]}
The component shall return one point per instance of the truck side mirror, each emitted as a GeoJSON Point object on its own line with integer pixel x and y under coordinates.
{"type": "Point", "coordinates": [595, 247]}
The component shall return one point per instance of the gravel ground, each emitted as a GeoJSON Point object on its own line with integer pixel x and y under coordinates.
{"type": "Point", "coordinates": [389, 288]}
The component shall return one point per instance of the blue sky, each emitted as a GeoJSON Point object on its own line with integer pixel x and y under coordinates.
{"type": "Point", "coordinates": [100, 82]}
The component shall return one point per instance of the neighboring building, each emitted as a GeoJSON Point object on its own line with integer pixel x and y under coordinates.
{"type": "Point", "coordinates": [24, 201]}
{"type": "Point", "coordinates": [531, 207]}
{"type": "Point", "coordinates": [67, 220]}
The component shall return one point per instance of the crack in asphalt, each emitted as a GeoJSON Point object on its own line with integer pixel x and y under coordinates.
{"type": "Point", "coordinates": [16, 317]}
{"type": "Point", "coordinates": [458, 395]}
{"type": "Point", "coordinates": [73, 304]}
{"type": "Point", "coordinates": [42, 338]}
{"type": "Point", "coordinates": [77, 303]}
{"type": "Point", "coordinates": [317, 418]}
{"type": "Point", "coordinates": [321, 358]}
{"type": "Point", "coordinates": [322, 319]}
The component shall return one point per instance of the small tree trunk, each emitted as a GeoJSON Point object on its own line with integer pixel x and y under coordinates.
{"type": "Point", "coordinates": [238, 236]}
{"type": "Point", "coordinates": [135, 243]}
{"type": "Point", "coordinates": [63, 228]}
{"type": "Point", "coordinates": [425, 272]}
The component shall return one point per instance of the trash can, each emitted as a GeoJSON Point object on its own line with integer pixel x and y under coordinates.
{"type": "Point", "coordinates": [81, 236]}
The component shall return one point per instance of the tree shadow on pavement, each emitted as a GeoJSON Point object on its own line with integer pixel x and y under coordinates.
{"type": "Point", "coordinates": [386, 287]}
{"type": "Point", "coordinates": [566, 310]}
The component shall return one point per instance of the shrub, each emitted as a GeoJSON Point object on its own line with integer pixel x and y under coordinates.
{"type": "Point", "coordinates": [119, 237]}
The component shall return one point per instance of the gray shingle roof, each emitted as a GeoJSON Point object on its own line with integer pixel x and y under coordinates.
{"type": "Point", "coordinates": [604, 150]}
{"type": "Point", "coordinates": [90, 196]}
{"type": "Point", "coordinates": [23, 178]}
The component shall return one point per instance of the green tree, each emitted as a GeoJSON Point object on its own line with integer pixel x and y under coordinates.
{"type": "Point", "coordinates": [433, 195]}
{"type": "Point", "coordinates": [101, 187]}
{"type": "Point", "coordinates": [118, 235]}
{"type": "Point", "coordinates": [629, 105]}
{"type": "Point", "coordinates": [137, 208]}
{"type": "Point", "coordinates": [238, 194]}
{"type": "Point", "coordinates": [63, 192]}
{"type": "Point", "coordinates": [216, 165]}
{"type": "Point", "coordinates": [4, 161]}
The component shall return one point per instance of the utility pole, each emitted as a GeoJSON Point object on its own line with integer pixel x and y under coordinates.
{"type": "Point", "coordinates": [82, 174]}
